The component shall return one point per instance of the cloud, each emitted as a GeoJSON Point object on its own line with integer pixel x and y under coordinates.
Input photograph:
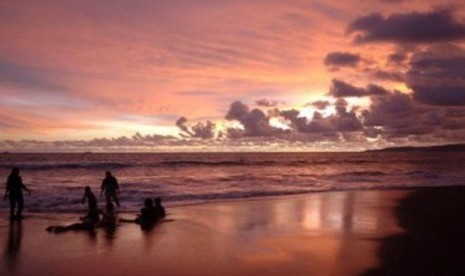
{"type": "Point", "coordinates": [343, 121]}
{"type": "Point", "coordinates": [415, 27]}
{"type": "Point", "coordinates": [203, 130]}
{"type": "Point", "coordinates": [400, 116]}
{"type": "Point", "coordinates": [254, 121]}
{"type": "Point", "coordinates": [122, 143]}
{"type": "Point", "coordinates": [181, 124]}
{"type": "Point", "coordinates": [342, 59]}
{"type": "Point", "coordinates": [437, 75]}
{"type": "Point", "coordinates": [397, 58]}
{"type": "Point", "coordinates": [267, 103]}
{"type": "Point", "coordinates": [387, 75]}
{"type": "Point", "coordinates": [12, 74]}
{"type": "Point", "coordinates": [320, 104]}
{"type": "Point", "coordinates": [342, 89]}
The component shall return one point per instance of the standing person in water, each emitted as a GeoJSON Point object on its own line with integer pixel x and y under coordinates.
{"type": "Point", "coordinates": [14, 192]}
{"type": "Point", "coordinates": [110, 187]}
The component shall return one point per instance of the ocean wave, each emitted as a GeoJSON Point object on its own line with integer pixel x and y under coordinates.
{"type": "Point", "coordinates": [132, 201]}
{"type": "Point", "coordinates": [363, 173]}
{"type": "Point", "coordinates": [170, 163]}
{"type": "Point", "coordinates": [54, 166]}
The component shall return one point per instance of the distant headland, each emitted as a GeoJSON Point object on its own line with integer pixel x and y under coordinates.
{"type": "Point", "coordinates": [440, 148]}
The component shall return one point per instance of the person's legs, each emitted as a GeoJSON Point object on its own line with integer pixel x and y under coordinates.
{"type": "Point", "coordinates": [115, 198]}
{"type": "Point", "coordinates": [20, 206]}
{"type": "Point", "coordinates": [12, 206]}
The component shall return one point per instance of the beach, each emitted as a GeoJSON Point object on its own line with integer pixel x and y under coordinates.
{"type": "Point", "coordinates": [379, 232]}
{"type": "Point", "coordinates": [326, 233]}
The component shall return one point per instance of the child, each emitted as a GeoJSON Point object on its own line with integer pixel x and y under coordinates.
{"type": "Point", "coordinates": [91, 199]}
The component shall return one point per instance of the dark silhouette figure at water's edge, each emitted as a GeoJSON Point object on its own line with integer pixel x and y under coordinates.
{"type": "Point", "coordinates": [111, 188]}
{"type": "Point", "coordinates": [14, 192]}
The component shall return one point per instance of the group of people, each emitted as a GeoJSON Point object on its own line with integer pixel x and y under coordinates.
{"type": "Point", "coordinates": [152, 211]}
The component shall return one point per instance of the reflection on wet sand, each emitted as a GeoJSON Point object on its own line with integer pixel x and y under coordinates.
{"type": "Point", "coordinates": [13, 245]}
{"type": "Point", "coordinates": [318, 234]}
{"type": "Point", "coordinates": [333, 231]}
{"type": "Point", "coordinates": [338, 212]}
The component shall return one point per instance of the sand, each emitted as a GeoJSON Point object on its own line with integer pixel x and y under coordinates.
{"type": "Point", "coordinates": [332, 233]}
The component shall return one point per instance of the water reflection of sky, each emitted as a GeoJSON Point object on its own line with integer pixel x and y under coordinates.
{"type": "Point", "coordinates": [337, 212]}
{"type": "Point", "coordinates": [332, 231]}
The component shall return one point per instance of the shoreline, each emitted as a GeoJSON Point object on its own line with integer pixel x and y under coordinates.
{"type": "Point", "coordinates": [324, 233]}
{"type": "Point", "coordinates": [176, 204]}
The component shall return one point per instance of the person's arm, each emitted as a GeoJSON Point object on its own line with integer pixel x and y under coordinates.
{"type": "Point", "coordinates": [83, 198]}
{"type": "Point", "coordinates": [24, 186]}
{"type": "Point", "coordinates": [26, 189]}
{"type": "Point", "coordinates": [116, 186]}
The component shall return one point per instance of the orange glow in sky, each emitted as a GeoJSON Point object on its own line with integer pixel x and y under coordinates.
{"type": "Point", "coordinates": [80, 70]}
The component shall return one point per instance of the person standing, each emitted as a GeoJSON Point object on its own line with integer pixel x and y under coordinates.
{"type": "Point", "coordinates": [110, 187]}
{"type": "Point", "coordinates": [14, 192]}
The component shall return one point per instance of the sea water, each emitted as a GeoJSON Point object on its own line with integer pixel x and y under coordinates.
{"type": "Point", "coordinates": [58, 180]}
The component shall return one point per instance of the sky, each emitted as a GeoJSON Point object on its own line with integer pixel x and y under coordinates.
{"type": "Point", "coordinates": [205, 75]}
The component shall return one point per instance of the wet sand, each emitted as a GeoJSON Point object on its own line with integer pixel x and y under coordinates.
{"type": "Point", "coordinates": [333, 233]}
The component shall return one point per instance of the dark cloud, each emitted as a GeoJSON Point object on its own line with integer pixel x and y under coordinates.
{"type": "Point", "coordinates": [203, 130]}
{"type": "Point", "coordinates": [400, 116]}
{"type": "Point", "coordinates": [320, 104]}
{"type": "Point", "coordinates": [387, 75]}
{"type": "Point", "coordinates": [342, 59]}
{"type": "Point", "coordinates": [267, 103]}
{"type": "Point", "coordinates": [254, 121]}
{"type": "Point", "coordinates": [397, 58]}
{"type": "Point", "coordinates": [343, 121]}
{"type": "Point", "coordinates": [415, 27]}
{"type": "Point", "coordinates": [181, 124]}
{"type": "Point", "coordinates": [437, 75]}
{"type": "Point", "coordinates": [342, 89]}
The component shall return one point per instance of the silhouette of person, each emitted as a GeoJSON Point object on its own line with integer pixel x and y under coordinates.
{"type": "Point", "coordinates": [111, 188]}
{"type": "Point", "coordinates": [91, 199]}
{"type": "Point", "coordinates": [159, 209]}
{"type": "Point", "coordinates": [89, 222]}
{"type": "Point", "coordinates": [148, 214]}
{"type": "Point", "coordinates": [14, 192]}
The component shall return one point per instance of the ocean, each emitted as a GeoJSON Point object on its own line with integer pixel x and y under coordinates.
{"type": "Point", "coordinates": [57, 180]}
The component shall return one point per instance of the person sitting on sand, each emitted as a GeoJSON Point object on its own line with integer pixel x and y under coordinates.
{"type": "Point", "coordinates": [111, 188]}
{"type": "Point", "coordinates": [91, 199]}
{"type": "Point", "coordinates": [14, 192]}
{"type": "Point", "coordinates": [148, 214]}
{"type": "Point", "coordinates": [89, 222]}
{"type": "Point", "coordinates": [159, 209]}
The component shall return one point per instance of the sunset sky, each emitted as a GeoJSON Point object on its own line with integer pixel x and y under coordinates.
{"type": "Point", "coordinates": [230, 75]}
